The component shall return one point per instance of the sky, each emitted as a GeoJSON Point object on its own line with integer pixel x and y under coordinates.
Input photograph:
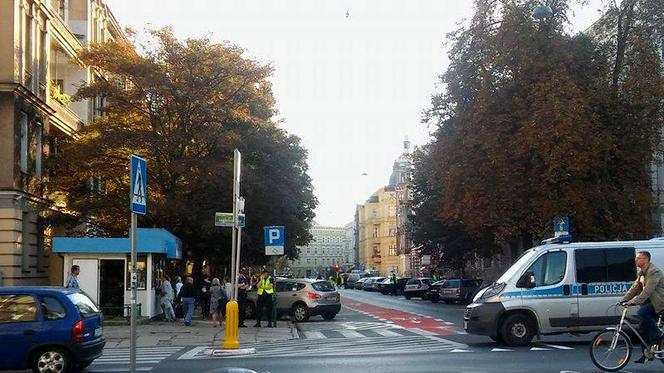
{"type": "Point", "coordinates": [351, 76]}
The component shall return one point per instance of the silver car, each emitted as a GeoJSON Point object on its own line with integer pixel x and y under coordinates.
{"type": "Point", "coordinates": [301, 299]}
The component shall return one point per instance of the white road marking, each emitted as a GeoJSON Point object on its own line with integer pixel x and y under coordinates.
{"type": "Point", "coordinates": [539, 349]}
{"type": "Point", "coordinates": [314, 335]}
{"type": "Point", "coordinates": [386, 333]}
{"type": "Point", "coordinates": [558, 346]}
{"type": "Point", "coordinates": [350, 334]}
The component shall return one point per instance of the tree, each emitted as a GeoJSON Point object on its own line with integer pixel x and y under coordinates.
{"type": "Point", "coordinates": [524, 134]}
{"type": "Point", "coordinates": [184, 106]}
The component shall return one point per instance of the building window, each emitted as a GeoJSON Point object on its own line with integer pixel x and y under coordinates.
{"type": "Point", "coordinates": [37, 148]}
{"type": "Point", "coordinates": [393, 251]}
{"type": "Point", "coordinates": [393, 231]}
{"type": "Point", "coordinates": [25, 242]}
{"type": "Point", "coordinates": [376, 230]}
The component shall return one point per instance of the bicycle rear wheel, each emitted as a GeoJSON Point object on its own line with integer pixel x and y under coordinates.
{"type": "Point", "coordinates": [606, 357]}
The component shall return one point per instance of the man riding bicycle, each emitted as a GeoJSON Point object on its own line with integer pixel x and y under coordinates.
{"type": "Point", "coordinates": [648, 292]}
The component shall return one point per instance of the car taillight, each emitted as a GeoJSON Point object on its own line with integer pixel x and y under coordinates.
{"type": "Point", "coordinates": [313, 296]}
{"type": "Point", "coordinates": [77, 332]}
{"type": "Point", "coordinates": [458, 291]}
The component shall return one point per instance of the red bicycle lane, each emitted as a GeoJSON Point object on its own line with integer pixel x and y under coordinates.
{"type": "Point", "coordinates": [403, 319]}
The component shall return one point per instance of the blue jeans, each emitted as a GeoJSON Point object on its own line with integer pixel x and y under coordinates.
{"type": "Point", "coordinates": [188, 304]}
{"type": "Point", "coordinates": [648, 328]}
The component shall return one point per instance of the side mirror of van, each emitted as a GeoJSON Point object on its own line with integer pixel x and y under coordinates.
{"type": "Point", "coordinates": [527, 281]}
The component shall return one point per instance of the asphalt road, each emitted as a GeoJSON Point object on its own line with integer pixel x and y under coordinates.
{"type": "Point", "coordinates": [377, 333]}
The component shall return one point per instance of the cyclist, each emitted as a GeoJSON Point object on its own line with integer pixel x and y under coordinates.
{"type": "Point", "coordinates": [648, 292]}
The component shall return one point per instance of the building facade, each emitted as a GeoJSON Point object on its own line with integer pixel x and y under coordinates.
{"type": "Point", "coordinates": [39, 72]}
{"type": "Point", "coordinates": [377, 232]}
{"type": "Point", "coordinates": [329, 248]}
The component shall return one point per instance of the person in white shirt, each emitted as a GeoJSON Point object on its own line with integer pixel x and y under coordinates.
{"type": "Point", "coordinates": [72, 281]}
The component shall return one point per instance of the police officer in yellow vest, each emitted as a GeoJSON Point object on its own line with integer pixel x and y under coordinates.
{"type": "Point", "coordinates": [265, 290]}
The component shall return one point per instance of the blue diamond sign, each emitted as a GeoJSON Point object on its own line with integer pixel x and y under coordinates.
{"type": "Point", "coordinates": [138, 186]}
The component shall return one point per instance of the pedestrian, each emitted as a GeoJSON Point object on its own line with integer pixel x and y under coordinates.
{"type": "Point", "coordinates": [72, 281]}
{"type": "Point", "coordinates": [166, 299]}
{"type": "Point", "coordinates": [178, 285]}
{"type": "Point", "coordinates": [217, 297]}
{"type": "Point", "coordinates": [188, 298]}
{"type": "Point", "coordinates": [243, 286]}
{"type": "Point", "coordinates": [393, 281]}
{"type": "Point", "coordinates": [264, 290]}
{"type": "Point", "coordinates": [204, 296]}
{"type": "Point", "coordinates": [228, 288]}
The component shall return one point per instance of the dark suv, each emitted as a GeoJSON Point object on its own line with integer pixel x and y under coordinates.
{"type": "Point", "coordinates": [432, 293]}
{"type": "Point", "coordinates": [48, 329]}
{"type": "Point", "coordinates": [459, 290]}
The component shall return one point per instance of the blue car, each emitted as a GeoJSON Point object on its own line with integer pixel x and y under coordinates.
{"type": "Point", "coordinates": [48, 329]}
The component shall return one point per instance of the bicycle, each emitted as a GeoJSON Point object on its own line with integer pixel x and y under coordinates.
{"type": "Point", "coordinates": [615, 343]}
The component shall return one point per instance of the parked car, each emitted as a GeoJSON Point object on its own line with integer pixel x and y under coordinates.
{"type": "Point", "coordinates": [459, 290]}
{"type": "Point", "coordinates": [372, 283]}
{"type": "Point", "coordinates": [48, 329]}
{"type": "Point", "coordinates": [353, 277]}
{"type": "Point", "coordinates": [417, 287]}
{"type": "Point", "coordinates": [385, 287]}
{"type": "Point", "coordinates": [359, 284]}
{"type": "Point", "coordinates": [300, 299]}
{"type": "Point", "coordinates": [432, 292]}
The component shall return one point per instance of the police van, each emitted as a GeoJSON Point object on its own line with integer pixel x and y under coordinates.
{"type": "Point", "coordinates": [558, 287]}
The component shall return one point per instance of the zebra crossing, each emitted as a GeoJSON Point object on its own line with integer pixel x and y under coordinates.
{"type": "Point", "coordinates": [362, 333]}
{"type": "Point", "coordinates": [336, 347]}
{"type": "Point", "coordinates": [117, 359]}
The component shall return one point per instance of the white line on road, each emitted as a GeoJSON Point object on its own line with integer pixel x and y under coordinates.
{"type": "Point", "coordinates": [314, 335]}
{"type": "Point", "coordinates": [460, 350]}
{"type": "Point", "coordinates": [386, 333]}
{"type": "Point", "coordinates": [350, 334]}
{"type": "Point", "coordinates": [500, 350]}
{"type": "Point", "coordinates": [558, 346]}
{"type": "Point", "coordinates": [192, 353]}
{"type": "Point", "coordinates": [539, 349]}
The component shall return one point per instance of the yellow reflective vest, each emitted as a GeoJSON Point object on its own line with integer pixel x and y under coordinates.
{"type": "Point", "coordinates": [264, 283]}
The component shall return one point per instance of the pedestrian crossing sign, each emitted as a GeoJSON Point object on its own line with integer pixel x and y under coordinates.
{"type": "Point", "coordinates": [138, 186]}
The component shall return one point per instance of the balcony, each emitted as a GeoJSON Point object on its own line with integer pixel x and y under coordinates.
{"type": "Point", "coordinates": [64, 118]}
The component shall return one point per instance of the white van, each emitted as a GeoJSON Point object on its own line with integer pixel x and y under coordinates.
{"type": "Point", "coordinates": [559, 287]}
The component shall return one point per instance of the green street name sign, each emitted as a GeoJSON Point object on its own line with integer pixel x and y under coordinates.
{"type": "Point", "coordinates": [225, 219]}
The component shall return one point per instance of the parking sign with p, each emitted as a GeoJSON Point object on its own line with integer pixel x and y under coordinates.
{"type": "Point", "coordinates": [274, 240]}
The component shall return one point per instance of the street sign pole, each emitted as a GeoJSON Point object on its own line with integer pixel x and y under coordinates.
{"type": "Point", "coordinates": [231, 340]}
{"type": "Point", "coordinates": [132, 310]}
{"type": "Point", "coordinates": [138, 205]}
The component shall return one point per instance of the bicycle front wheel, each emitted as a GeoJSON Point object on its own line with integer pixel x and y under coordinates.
{"type": "Point", "coordinates": [611, 350]}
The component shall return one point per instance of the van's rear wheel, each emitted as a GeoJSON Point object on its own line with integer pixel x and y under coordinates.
{"type": "Point", "coordinates": [518, 330]}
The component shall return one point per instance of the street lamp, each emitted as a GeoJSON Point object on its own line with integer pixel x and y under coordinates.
{"type": "Point", "coordinates": [542, 11]}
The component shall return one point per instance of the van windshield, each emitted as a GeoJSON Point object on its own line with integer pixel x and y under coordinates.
{"type": "Point", "coordinates": [517, 266]}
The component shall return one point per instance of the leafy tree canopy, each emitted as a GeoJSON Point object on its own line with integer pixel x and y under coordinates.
{"type": "Point", "coordinates": [185, 106]}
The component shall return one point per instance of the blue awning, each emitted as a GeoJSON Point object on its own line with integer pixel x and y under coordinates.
{"type": "Point", "coordinates": [148, 240]}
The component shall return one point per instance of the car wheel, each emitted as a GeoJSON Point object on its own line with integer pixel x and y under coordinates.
{"type": "Point", "coordinates": [249, 310]}
{"type": "Point", "coordinates": [518, 330]}
{"type": "Point", "coordinates": [407, 296]}
{"type": "Point", "coordinates": [51, 360]}
{"type": "Point", "coordinates": [328, 316]}
{"type": "Point", "coordinates": [300, 312]}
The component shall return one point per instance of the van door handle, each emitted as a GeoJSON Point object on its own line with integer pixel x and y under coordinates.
{"type": "Point", "coordinates": [584, 289]}
{"type": "Point", "coordinates": [565, 289]}
{"type": "Point", "coordinates": [28, 332]}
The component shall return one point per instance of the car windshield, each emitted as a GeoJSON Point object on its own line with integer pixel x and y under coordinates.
{"type": "Point", "coordinates": [84, 304]}
{"type": "Point", "coordinates": [322, 286]}
{"type": "Point", "coordinates": [517, 266]}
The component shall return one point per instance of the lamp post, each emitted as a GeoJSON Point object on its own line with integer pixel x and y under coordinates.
{"type": "Point", "coordinates": [542, 12]}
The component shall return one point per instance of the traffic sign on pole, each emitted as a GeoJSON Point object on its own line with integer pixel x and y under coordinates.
{"type": "Point", "coordinates": [225, 219]}
{"type": "Point", "coordinates": [274, 240]}
{"type": "Point", "coordinates": [138, 186]}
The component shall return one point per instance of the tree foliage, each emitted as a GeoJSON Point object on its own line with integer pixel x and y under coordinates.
{"type": "Point", "coordinates": [185, 106]}
{"type": "Point", "coordinates": [527, 132]}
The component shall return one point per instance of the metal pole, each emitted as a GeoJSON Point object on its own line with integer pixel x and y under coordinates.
{"type": "Point", "coordinates": [236, 196]}
{"type": "Point", "coordinates": [237, 260]}
{"type": "Point", "coordinates": [134, 280]}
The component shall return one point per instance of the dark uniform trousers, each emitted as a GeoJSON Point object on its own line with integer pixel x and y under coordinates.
{"type": "Point", "coordinates": [264, 300]}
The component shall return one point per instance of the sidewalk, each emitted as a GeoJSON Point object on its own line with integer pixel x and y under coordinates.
{"type": "Point", "coordinates": [200, 333]}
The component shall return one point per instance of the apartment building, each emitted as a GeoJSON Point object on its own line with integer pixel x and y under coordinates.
{"type": "Point", "coordinates": [328, 248]}
{"type": "Point", "coordinates": [39, 72]}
